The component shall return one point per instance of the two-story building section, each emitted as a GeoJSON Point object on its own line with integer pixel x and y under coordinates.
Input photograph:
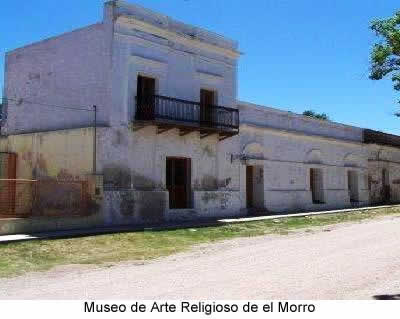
{"type": "Point", "coordinates": [165, 94]}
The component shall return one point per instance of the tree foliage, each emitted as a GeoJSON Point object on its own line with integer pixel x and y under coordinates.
{"type": "Point", "coordinates": [385, 55]}
{"type": "Point", "coordinates": [319, 116]}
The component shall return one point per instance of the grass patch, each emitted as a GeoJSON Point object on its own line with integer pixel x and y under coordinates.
{"type": "Point", "coordinates": [18, 258]}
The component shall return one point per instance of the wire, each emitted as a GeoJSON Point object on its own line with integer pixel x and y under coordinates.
{"type": "Point", "coordinates": [76, 108]}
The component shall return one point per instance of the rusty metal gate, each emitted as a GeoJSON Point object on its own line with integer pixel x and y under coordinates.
{"type": "Point", "coordinates": [8, 186]}
{"type": "Point", "coordinates": [16, 197]}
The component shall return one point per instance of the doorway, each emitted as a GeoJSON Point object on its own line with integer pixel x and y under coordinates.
{"type": "Point", "coordinates": [352, 180]}
{"type": "Point", "coordinates": [207, 100]}
{"type": "Point", "coordinates": [146, 88]}
{"type": "Point", "coordinates": [385, 186]}
{"type": "Point", "coordinates": [316, 185]}
{"type": "Point", "coordinates": [178, 180]}
{"type": "Point", "coordinates": [255, 188]}
{"type": "Point", "coordinates": [249, 186]}
{"type": "Point", "coordinates": [8, 183]}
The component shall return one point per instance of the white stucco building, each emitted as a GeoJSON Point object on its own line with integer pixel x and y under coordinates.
{"type": "Point", "coordinates": [173, 141]}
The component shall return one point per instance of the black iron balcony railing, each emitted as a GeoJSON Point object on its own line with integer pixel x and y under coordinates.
{"type": "Point", "coordinates": [157, 107]}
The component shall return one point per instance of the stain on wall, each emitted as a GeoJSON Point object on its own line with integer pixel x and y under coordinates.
{"type": "Point", "coordinates": [117, 177]}
{"type": "Point", "coordinates": [64, 154]}
{"type": "Point", "coordinates": [127, 206]}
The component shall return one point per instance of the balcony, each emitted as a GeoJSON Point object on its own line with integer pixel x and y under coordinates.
{"type": "Point", "coordinates": [187, 116]}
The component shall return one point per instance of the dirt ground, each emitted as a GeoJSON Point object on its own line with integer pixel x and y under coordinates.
{"type": "Point", "coordinates": [347, 261]}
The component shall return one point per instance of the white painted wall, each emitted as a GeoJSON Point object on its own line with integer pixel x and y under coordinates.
{"type": "Point", "coordinates": [264, 116]}
{"type": "Point", "coordinates": [288, 150]}
{"type": "Point", "coordinates": [71, 70]}
{"type": "Point", "coordinates": [181, 65]}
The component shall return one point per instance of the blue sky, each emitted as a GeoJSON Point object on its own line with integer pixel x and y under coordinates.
{"type": "Point", "coordinates": [298, 55]}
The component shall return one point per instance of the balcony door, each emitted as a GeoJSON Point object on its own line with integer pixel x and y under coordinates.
{"type": "Point", "coordinates": [146, 88]}
{"type": "Point", "coordinates": [207, 100]}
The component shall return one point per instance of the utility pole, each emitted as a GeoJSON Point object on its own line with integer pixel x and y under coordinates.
{"type": "Point", "coordinates": [95, 141]}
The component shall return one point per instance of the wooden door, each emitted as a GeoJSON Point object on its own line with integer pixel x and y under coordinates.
{"type": "Point", "coordinates": [145, 97]}
{"type": "Point", "coordinates": [178, 176]}
{"type": "Point", "coordinates": [8, 170]}
{"type": "Point", "coordinates": [249, 187]}
{"type": "Point", "coordinates": [207, 101]}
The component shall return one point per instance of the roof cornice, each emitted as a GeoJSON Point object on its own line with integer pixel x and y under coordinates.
{"type": "Point", "coordinates": [175, 37]}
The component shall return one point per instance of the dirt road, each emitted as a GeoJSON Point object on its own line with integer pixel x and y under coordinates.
{"type": "Point", "coordinates": [350, 261]}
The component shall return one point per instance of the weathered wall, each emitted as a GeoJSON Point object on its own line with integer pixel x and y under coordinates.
{"type": "Point", "coordinates": [137, 161]}
{"type": "Point", "coordinates": [283, 120]}
{"type": "Point", "coordinates": [380, 158]}
{"type": "Point", "coordinates": [3, 158]}
{"type": "Point", "coordinates": [287, 157]}
{"type": "Point", "coordinates": [217, 204]}
{"type": "Point", "coordinates": [100, 64]}
{"type": "Point", "coordinates": [63, 154]}
{"type": "Point", "coordinates": [180, 65]}
{"type": "Point", "coordinates": [134, 207]}
{"type": "Point", "coordinates": [71, 70]}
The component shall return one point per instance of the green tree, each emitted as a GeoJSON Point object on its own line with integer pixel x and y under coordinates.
{"type": "Point", "coordinates": [319, 116]}
{"type": "Point", "coordinates": [385, 55]}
